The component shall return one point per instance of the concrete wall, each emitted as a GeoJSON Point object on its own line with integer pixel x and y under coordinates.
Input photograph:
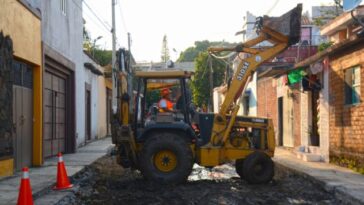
{"type": "Point", "coordinates": [64, 34]}
{"type": "Point", "coordinates": [101, 125]}
{"type": "Point", "coordinates": [96, 95]}
{"type": "Point", "coordinates": [324, 125]}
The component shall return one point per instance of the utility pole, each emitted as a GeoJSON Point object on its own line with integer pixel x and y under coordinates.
{"type": "Point", "coordinates": [130, 77]}
{"type": "Point", "coordinates": [211, 86]}
{"type": "Point", "coordinates": [113, 61]}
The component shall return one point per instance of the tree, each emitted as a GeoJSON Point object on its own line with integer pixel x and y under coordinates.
{"type": "Point", "coordinates": [200, 84]}
{"type": "Point", "coordinates": [200, 46]}
{"type": "Point", "coordinates": [103, 57]}
{"type": "Point", "coordinates": [165, 50]}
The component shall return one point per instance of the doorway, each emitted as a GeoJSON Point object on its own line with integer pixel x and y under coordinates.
{"type": "Point", "coordinates": [23, 114]}
{"type": "Point", "coordinates": [280, 121]}
{"type": "Point", "coordinates": [54, 114]}
{"type": "Point", "coordinates": [314, 134]}
{"type": "Point", "coordinates": [108, 110]}
{"type": "Point", "coordinates": [88, 112]}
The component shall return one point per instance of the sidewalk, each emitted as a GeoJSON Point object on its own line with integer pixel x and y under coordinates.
{"type": "Point", "coordinates": [43, 178]}
{"type": "Point", "coordinates": [344, 183]}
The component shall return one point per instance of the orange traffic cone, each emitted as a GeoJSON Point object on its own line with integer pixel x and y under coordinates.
{"type": "Point", "coordinates": [62, 178]}
{"type": "Point", "coordinates": [25, 192]}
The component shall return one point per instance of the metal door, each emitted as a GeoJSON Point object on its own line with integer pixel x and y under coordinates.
{"type": "Point", "coordinates": [54, 114]}
{"type": "Point", "coordinates": [22, 115]}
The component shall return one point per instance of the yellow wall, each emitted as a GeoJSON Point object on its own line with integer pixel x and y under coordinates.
{"type": "Point", "coordinates": [102, 127]}
{"type": "Point", "coordinates": [108, 83]}
{"type": "Point", "coordinates": [24, 28]}
{"type": "Point", "coordinates": [6, 167]}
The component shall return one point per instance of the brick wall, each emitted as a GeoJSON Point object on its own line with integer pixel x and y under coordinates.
{"type": "Point", "coordinates": [267, 100]}
{"type": "Point", "coordinates": [346, 121]}
{"type": "Point", "coordinates": [267, 105]}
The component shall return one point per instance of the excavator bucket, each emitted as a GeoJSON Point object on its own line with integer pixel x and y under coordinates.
{"type": "Point", "coordinates": [288, 24]}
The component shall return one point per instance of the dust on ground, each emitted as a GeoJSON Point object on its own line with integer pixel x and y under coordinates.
{"type": "Point", "coordinates": [105, 182]}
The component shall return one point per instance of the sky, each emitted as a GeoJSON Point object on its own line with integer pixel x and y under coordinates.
{"type": "Point", "coordinates": [183, 21]}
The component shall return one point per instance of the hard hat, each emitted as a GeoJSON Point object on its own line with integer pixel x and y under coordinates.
{"type": "Point", "coordinates": [165, 91]}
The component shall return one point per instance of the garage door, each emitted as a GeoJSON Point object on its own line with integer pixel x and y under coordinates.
{"type": "Point", "coordinates": [54, 114]}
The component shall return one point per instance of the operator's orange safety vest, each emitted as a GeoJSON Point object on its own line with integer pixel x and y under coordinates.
{"type": "Point", "coordinates": [165, 104]}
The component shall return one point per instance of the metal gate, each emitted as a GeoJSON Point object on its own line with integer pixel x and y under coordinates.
{"type": "Point", "coordinates": [54, 114]}
{"type": "Point", "coordinates": [23, 114]}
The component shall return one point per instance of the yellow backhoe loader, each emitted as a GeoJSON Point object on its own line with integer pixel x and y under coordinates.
{"type": "Point", "coordinates": [164, 145]}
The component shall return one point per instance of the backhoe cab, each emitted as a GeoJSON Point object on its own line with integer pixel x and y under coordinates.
{"type": "Point", "coordinates": [164, 144]}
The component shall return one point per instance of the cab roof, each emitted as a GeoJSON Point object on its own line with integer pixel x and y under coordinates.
{"type": "Point", "coordinates": [163, 74]}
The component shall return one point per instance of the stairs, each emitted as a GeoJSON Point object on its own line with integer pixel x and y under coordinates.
{"type": "Point", "coordinates": [309, 153]}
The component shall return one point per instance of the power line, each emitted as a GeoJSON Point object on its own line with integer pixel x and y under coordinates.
{"type": "Point", "coordinates": [102, 26]}
{"type": "Point", "coordinates": [122, 16]}
{"type": "Point", "coordinates": [273, 7]}
{"type": "Point", "coordinates": [98, 18]}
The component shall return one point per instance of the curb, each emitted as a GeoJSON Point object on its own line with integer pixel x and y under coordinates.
{"type": "Point", "coordinates": [338, 191]}
{"type": "Point", "coordinates": [47, 195]}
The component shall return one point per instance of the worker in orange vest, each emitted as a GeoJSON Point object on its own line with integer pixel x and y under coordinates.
{"type": "Point", "coordinates": [164, 104]}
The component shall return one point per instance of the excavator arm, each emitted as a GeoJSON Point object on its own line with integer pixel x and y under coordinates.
{"type": "Point", "coordinates": [281, 32]}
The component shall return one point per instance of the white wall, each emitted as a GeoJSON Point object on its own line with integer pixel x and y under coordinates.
{"type": "Point", "coordinates": [248, 26]}
{"type": "Point", "coordinates": [323, 123]}
{"type": "Point", "coordinates": [64, 34]}
{"type": "Point", "coordinates": [93, 80]}
{"type": "Point", "coordinates": [324, 127]}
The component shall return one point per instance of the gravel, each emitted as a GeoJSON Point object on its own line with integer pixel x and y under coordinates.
{"type": "Point", "coordinates": [105, 182]}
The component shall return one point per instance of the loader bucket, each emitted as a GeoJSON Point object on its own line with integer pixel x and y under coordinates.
{"type": "Point", "coordinates": [288, 24]}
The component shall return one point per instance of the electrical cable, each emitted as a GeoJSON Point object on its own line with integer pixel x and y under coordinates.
{"type": "Point", "coordinates": [223, 57]}
{"type": "Point", "coordinates": [122, 16]}
{"type": "Point", "coordinates": [98, 18]}
{"type": "Point", "coordinates": [97, 24]}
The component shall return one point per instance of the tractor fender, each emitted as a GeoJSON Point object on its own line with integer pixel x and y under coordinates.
{"type": "Point", "coordinates": [178, 127]}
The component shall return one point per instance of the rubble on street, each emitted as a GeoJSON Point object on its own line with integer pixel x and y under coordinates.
{"type": "Point", "coordinates": [105, 182]}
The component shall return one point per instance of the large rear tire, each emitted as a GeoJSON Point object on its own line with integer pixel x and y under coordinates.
{"type": "Point", "coordinates": [166, 158]}
{"type": "Point", "coordinates": [239, 165]}
{"type": "Point", "coordinates": [258, 168]}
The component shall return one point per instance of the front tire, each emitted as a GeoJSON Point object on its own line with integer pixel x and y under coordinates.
{"type": "Point", "coordinates": [258, 168]}
{"type": "Point", "coordinates": [166, 158]}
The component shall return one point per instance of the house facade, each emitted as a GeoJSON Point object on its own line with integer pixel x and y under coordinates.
{"type": "Point", "coordinates": [104, 105]}
{"type": "Point", "coordinates": [62, 53]}
{"type": "Point", "coordinates": [341, 108]}
{"type": "Point", "coordinates": [21, 86]}
{"type": "Point", "coordinates": [300, 108]}
{"type": "Point", "coordinates": [96, 109]}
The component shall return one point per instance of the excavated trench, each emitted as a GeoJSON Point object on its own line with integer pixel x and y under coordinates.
{"type": "Point", "coordinates": [105, 182]}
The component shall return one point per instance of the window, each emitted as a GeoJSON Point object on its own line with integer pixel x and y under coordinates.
{"type": "Point", "coordinates": [63, 6]}
{"type": "Point", "coordinates": [22, 74]}
{"type": "Point", "coordinates": [352, 85]}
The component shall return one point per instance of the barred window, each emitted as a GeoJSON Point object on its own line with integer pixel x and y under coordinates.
{"type": "Point", "coordinates": [352, 85]}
